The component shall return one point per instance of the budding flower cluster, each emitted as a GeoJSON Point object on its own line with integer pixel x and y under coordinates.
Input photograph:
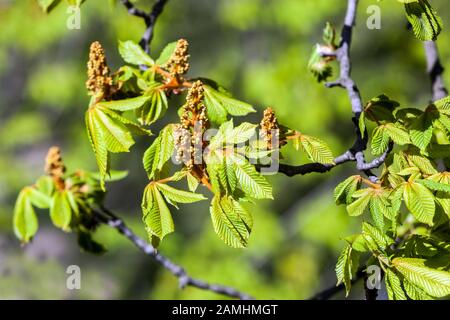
{"type": "Point", "coordinates": [270, 130]}
{"type": "Point", "coordinates": [178, 64]}
{"type": "Point", "coordinates": [194, 121]}
{"type": "Point", "coordinates": [99, 83]}
{"type": "Point", "coordinates": [54, 166]}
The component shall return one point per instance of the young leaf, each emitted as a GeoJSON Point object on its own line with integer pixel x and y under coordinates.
{"type": "Point", "coordinates": [38, 198]}
{"type": "Point", "coordinates": [434, 282]}
{"type": "Point", "coordinates": [45, 185]}
{"type": "Point", "coordinates": [230, 221]}
{"type": "Point", "coordinates": [381, 239]}
{"type": "Point", "coordinates": [124, 105]}
{"type": "Point", "coordinates": [357, 207]}
{"type": "Point", "coordinates": [380, 140]}
{"type": "Point", "coordinates": [219, 104]}
{"type": "Point", "coordinates": [60, 210]}
{"type": "Point", "coordinates": [433, 185]}
{"type": "Point", "coordinates": [398, 134]}
{"type": "Point", "coordinates": [421, 132]}
{"type": "Point", "coordinates": [344, 190]}
{"type": "Point", "coordinates": [133, 53]}
{"type": "Point", "coordinates": [317, 150]}
{"type": "Point", "coordinates": [346, 267]}
{"type": "Point", "coordinates": [420, 201]}
{"type": "Point", "coordinates": [156, 215]}
{"type": "Point", "coordinates": [180, 196]}
{"type": "Point", "coordinates": [426, 24]}
{"type": "Point", "coordinates": [166, 53]}
{"type": "Point", "coordinates": [24, 220]}
{"type": "Point", "coordinates": [394, 286]}
{"type": "Point", "coordinates": [250, 180]}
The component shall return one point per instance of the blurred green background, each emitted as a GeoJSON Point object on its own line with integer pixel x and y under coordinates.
{"type": "Point", "coordinates": [259, 49]}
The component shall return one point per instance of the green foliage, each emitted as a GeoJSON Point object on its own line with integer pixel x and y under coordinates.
{"type": "Point", "coordinates": [425, 22]}
{"type": "Point", "coordinates": [323, 54]}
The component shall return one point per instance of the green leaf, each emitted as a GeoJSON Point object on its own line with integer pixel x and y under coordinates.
{"type": "Point", "coordinates": [133, 53]}
{"type": "Point", "coordinates": [166, 53]}
{"type": "Point", "coordinates": [380, 140]}
{"type": "Point", "coordinates": [156, 215]}
{"type": "Point", "coordinates": [25, 222]}
{"type": "Point", "coordinates": [192, 182]}
{"type": "Point", "coordinates": [419, 201]}
{"type": "Point", "coordinates": [231, 222]}
{"type": "Point", "coordinates": [60, 210]}
{"type": "Point", "coordinates": [380, 109]}
{"type": "Point", "coordinates": [421, 132]}
{"type": "Point", "coordinates": [357, 207]}
{"type": "Point", "coordinates": [329, 35]}
{"type": "Point", "coordinates": [114, 175]}
{"type": "Point", "coordinates": [317, 150]}
{"type": "Point", "coordinates": [434, 282]}
{"type": "Point", "coordinates": [98, 145]}
{"type": "Point", "coordinates": [45, 185]}
{"type": "Point", "coordinates": [362, 124]}
{"type": "Point", "coordinates": [381, 240]}
{"type": "Point", "coordinates": [161, 150]}
{"type": "Point", "coordinates": [347, 266]}
{"type": "Point", "coordinates": [180, 196]}
{"type": "Point", "coordinates": [398, 134]}
{"type": "Point", "coordinates": [344, 191]}
{"type": "Point", "coordinates": [426, 24]}
{"type": "Point", "coordinates": [394, 286]}
{"type": "Point", "coordinates": [220, 104]}
{"type": "Point", "coordinates": [250, 180]}
{"type": "Point", "coordinates": [433, 185]}
{"type": "Point", "coordinates": [125, 104]}
{"type": "Point", "coordinates": [155, 107]}
{"type": "Point", "coordinates": [39, 199]}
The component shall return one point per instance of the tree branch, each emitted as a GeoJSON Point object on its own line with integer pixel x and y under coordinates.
{"type": "Point", "coordinates": [149, 19]}
{"type": "Point", "coordinates": [435, 70]}
{"type": "Point", "coordinates": [331, 291]}
{"type": "Point", "coordinates": [108, 218]}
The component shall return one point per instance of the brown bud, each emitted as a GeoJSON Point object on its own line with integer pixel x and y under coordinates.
{"type": "Point", "coordinates": [269, 128]}
{"type": "Point", "coordinates": [54, 166]}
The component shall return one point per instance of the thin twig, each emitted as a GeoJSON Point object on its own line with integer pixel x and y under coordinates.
{"type": "Point", "coordinates": [331, 291]}
{"type": "Point", "coordinates": [149, 19]}
{"type": "Point", "coordinates": [109, 218]}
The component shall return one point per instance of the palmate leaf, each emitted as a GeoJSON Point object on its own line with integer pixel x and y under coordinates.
{"type": "Point", "coordinates": [132, 53]}
{"type": "Point", "coordinates": [231, 222]}
{"type": "Point", "coordinates": [434, 282]}
{"type": "Point", "coordinates": [316, 149]}
{"type": "Point", "coordinates": [346, 267]}
{"type": "Point", "coordinates": [219, 104]}
{"type": "Point", "coordinates": [426, 24]}
{"type": "Point", "coordinates": [419, 201]}
{"type": "Point", "coordinates": [25, 222]}
{"type": "Point", "coordinates": [61, 210]}
{"type": "Point", "coordinates": [251, 181]}
{"type": "Point", "coordinates": [394, 286]}
{"type": "Point", "coordinates": [156, 214]}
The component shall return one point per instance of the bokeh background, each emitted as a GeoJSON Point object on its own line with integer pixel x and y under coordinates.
{"type": "Point", "coordinates": [259, 49]}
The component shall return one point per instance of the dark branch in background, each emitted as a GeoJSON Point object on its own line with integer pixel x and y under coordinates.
{"type": "Point", "coordinates": [149, 19]}
{"type": "Point", "coordinates": [435, 70]}
{"type": "Point", "coordinates": [110, 219]}
{"type": "Point", "coordinates": [330, 292]}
